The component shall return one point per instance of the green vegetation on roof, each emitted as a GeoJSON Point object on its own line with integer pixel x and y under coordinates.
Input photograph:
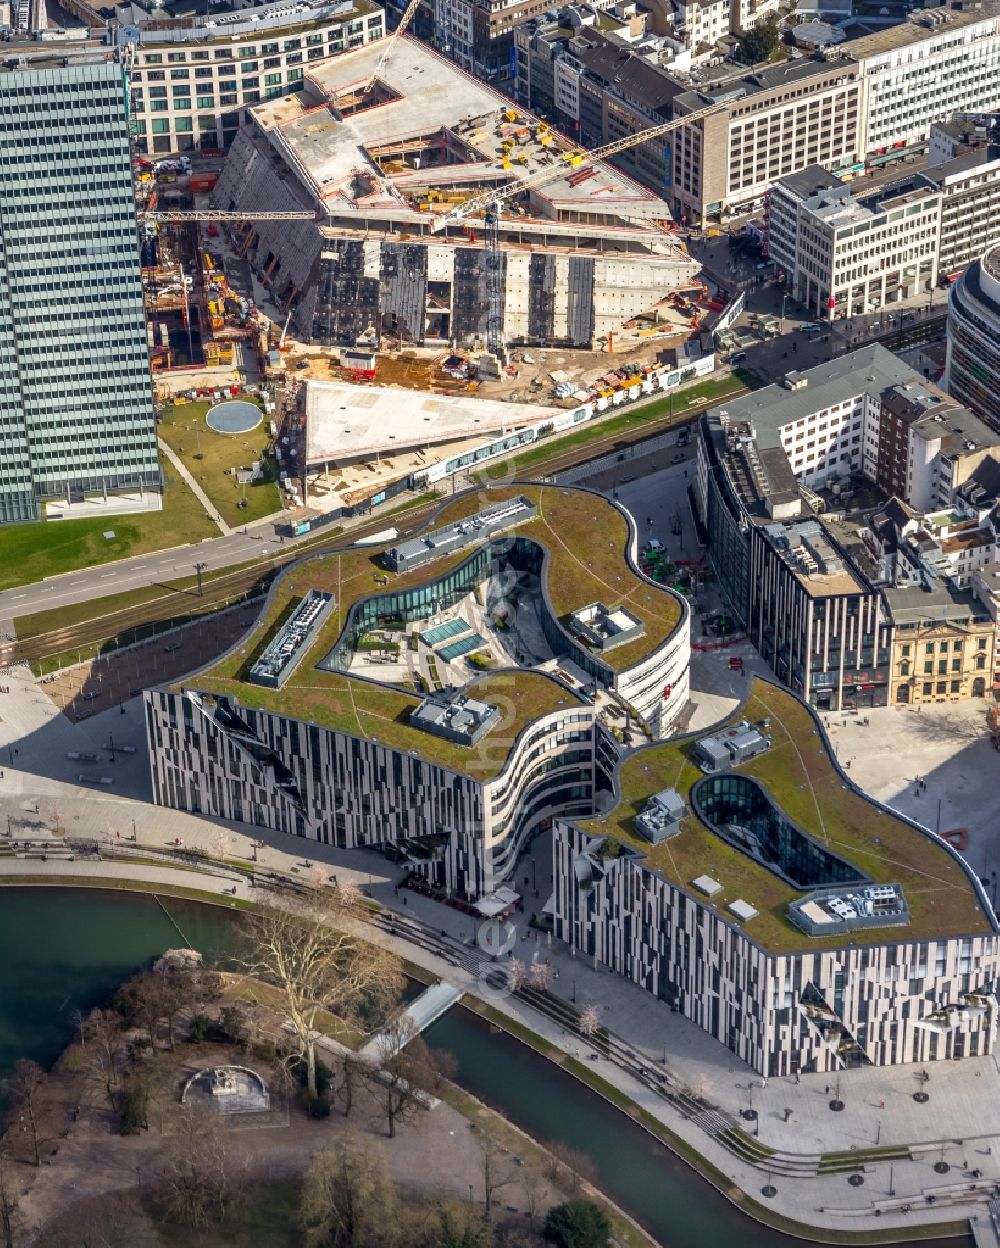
{"type": "Point", "coordinates": [800, 777]}
{"type": "Point", "coordinates": [585, 537]}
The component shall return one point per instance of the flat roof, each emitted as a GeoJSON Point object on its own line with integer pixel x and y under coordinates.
{"type": "Point", "coordinates": [870, 369]}
{"type": "Point", "coordinates": [914, 30]}
{"type": "Point", "coordinates": [799, 775]}
{"type": "Point", "coordinates": [585, 538]}
{"type": "Point", "coordinates": [761, 78]}
{"type": "Point", "coordinates": [941, 604]}
{"type": "Point", "coordinates": [339, 155]}
{"type": "Point", "coordinates": [344, 421]}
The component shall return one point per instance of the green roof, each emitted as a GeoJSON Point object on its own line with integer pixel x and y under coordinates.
{"type": "Point", "coordinates": [800, 777]}
{"type": "Point", "coordinates": [585, 537]}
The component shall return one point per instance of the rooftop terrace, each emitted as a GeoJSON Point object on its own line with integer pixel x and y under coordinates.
{"type": "Point", "coordinates": [800, 777]}
{"type": "Point", "coordinates": [585, 538]}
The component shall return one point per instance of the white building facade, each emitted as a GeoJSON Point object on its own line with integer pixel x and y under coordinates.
{"type": "Point", "coordinates": [192, 79]}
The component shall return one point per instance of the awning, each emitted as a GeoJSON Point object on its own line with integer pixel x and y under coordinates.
{"type": "Point", "coordinates": [497, 903]}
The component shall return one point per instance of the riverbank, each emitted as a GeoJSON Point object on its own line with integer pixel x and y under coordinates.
{"type": "Point", "coordinates": [715, 1163]}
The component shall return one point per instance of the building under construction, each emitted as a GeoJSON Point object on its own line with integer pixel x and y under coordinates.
{"type": "Point", "coordinates": [384, 165]}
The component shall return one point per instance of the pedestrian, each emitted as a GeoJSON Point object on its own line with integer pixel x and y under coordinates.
{"type": "Point", "coordinates": [881, 1102]}
{"type": "Point", "coordinates": [826, 1090]}
{"type": "Point", "coordinates": [797, 1079]}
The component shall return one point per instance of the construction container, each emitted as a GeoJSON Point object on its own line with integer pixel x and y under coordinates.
{"type": "Point", "coordinates": [202, 183]}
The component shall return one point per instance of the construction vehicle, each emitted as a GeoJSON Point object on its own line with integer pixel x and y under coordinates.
{"type": "Point", "coordinates": [491, 203]}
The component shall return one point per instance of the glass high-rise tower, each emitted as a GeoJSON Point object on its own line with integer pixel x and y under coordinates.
{"type": "Point", "coordinates": [76, 402]}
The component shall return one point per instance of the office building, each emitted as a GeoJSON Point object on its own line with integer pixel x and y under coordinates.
{"type": "Point", "coordinates": [768, 921]}
{"type": "Point", "coordinates": [845, 255]}
{"type": "Point", "coordinates": [803, 586]}
{"type": "Point", "coordinates": [972, 372]}
{"type": "Point", "coordinates": [519, 643]}
{"type": "Point", "coordinates": [77, 403]}
{"type": "Point", "coordinates": [936, 63]}
{"type": "Point", "coordinates": [193, 77]}
{"type": "Point", "coordinates": [773, 120]}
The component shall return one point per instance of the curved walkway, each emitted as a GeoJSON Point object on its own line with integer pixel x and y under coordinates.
{"type": "Point", "coordinates": [807, 1190]}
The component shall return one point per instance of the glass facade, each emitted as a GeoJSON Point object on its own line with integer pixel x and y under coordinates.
{"type": "Point", "coordinates": [76, 402]}
{"type": "Point", "coordinates": [382, 610]}
{"type": "Point", "coordinates": [739, 810]}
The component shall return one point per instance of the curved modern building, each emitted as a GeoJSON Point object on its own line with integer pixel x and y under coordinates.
{"type": "Point", "coordinates": [745, 881]}
{"type": "Point", "coordinates": [972, 373]}
{"type": "Point", "coordinates": [445, 698]}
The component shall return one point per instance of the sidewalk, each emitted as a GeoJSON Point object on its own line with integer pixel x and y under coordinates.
{"type": "Point", "coordinates": [960, 1124]}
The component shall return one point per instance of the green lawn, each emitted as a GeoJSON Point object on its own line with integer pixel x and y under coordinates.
{"type": "Point", "coordinates": [182, 426]}
{"type": "Point", "coordinates": [29, 552]}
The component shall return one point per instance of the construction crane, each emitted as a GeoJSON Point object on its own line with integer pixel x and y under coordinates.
{"type": "Point", "coordinates": [391, 42]}
{"type": "Point", "coordinates": [491, 203]}
{"type": "Point", "coordinates": [162, 217]}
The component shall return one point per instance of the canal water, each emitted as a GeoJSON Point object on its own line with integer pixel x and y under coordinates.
{"type": "Point", "coordinates": [67, 949]}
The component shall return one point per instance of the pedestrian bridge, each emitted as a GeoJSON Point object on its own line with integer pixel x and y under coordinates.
{"type": "Point", "coordinates": [417, 1017]}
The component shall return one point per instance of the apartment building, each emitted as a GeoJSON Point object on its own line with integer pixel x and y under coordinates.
{"type": "Point", "coordinates": [772, 121]}
{"type": "Point", "coordinates": [972, 371]}
{"type": "Point", "coordinates": [937, 62]}
{"type": "Point", "coordinates": [929, 447]}
{"type": "Point", "coordinates": [76, 397]}
{"type": "Point", "coordinates": [943, 645]}
{"type": "Point", "coordinates": [193, 78]}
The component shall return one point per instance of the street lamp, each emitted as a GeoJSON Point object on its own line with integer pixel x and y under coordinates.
{"type": "Point", "coordinates": [781, 323]}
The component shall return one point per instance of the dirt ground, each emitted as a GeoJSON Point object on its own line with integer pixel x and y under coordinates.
{"type": "Point", "coordinates": [83, 1159]}
{"type": "Point", "coordinates": [418, 368]}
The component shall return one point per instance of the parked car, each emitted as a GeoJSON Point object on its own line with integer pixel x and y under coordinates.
{"type": "Point", "coordinates": [737, 357]}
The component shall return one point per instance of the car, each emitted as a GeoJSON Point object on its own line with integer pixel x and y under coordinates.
{"type": "Point", "coordinates": [678, 458]}
{"type": "Point", "coordinates": [737, 357]}
{"type": "Point", "coordinates": [811, 327]}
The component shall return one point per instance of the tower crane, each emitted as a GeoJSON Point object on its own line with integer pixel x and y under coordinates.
{"type": "Point", "coordinates": [491, 203]}
{"type": "Point", "coordinates": [159, 216]}
{"type": "Point", "coordinates": [390, 44]}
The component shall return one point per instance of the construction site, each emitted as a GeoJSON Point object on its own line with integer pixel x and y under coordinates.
{"type": "Point", "coordinates": [441, 216]}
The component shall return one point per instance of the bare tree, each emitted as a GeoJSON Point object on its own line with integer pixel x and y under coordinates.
{"type": "Point", "coordinates": [106, 1048]}
{"type": "Point", "coordinates": [590, 1021]}
{"type": "Point", "coordinates": [23, 1089]}
{"type": "Point", "coordinates": [311, 951]}
{"type": "Point", "coordinates": [202, 1177]}
{"type": "Point", "coordinates": [540, 975]}
{"type": "Point", "coordinates": [535, 1188]}
{"type": "Point", "coordinates": [348, 1200]}
{"type": "Point", "coordinates": [405, 1069]}
{"type": "Point", "coordinates": [351, 1079]}
{"type": "Point", "coordinates": [497, 1165]}
{"type": "Point", "coordinates": [10, 1218]}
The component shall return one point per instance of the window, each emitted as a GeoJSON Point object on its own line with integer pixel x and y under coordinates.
{"type": "Point", "coordinates": [183, 125]}
{"type": "Point", "coordinates": [929, 648]}
{"type": "Point", "coordinates": [905, 650]}
{"type": "Point", "coordinates": [980, 662]}
{"type": "Point", "coordinates": [941, 686]}
{"type": "Point", "coordinates": [928, 667]}
{"type": "Point", "coordinates": [942, 666]}
{"type": "Point", "coordinates": [927, 688]}
{"type": "Point", "coordinates": [161, 125]}
{"type": "Point", "coordinates": [981, 644]}
{"type": "Point", "coordinates": [904, 668]}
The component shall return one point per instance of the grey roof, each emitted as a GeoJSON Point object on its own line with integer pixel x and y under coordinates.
{"type": "Point", "coordinates": [811, 180]}
{"type": "Point", "coordinates": [870, 369]}
{"type": "Point", "coordinates": [914, 605]}
{"type": "Point", "coordinates": [753, 82]}
{"type": "Point", "coordinates": [627, 74]}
